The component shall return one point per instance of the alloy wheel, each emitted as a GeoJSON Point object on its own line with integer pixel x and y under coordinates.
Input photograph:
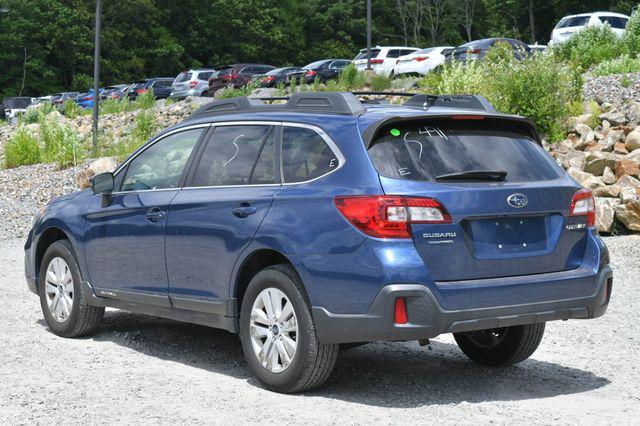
{"type": "Point", "coordinates": [59, 289]}
{"type": "Point", "coordinates": [274, 330]}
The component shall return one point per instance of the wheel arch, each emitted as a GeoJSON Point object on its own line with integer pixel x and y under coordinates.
{"type": "Point", "coordinates": [47, 237]}
{"type": "Point", "coordinates": [253, 263]}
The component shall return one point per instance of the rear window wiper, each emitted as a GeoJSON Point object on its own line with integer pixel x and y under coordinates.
{"type": "Point", "coordinates": [475, 174]}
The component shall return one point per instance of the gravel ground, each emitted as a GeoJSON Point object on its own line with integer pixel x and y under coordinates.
{"type": "Point", "coordinates": [27, 188]}
{"type": "Point", "coordinates": [138, 369]}
{"type": "Point", "coordinates": [615, 89]}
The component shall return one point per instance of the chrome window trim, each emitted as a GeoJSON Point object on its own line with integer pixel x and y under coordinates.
{"type": "Point", "coordinates": [147, 146]}
{"type": "Point", "coordinates": [332, 145]}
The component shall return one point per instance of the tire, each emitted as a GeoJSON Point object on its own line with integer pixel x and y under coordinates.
{"type": "Point", "coordinates": [72, 316]}
{"type": "Point", "coordinates": [501, 346]}
{"type": "Point", "coordinates": [312, 362]}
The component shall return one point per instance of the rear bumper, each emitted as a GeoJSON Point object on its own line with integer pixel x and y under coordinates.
{"type": "Point", "coordinates": [428, 319]}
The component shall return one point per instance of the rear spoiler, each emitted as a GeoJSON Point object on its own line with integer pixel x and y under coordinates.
{"type": "Point", "coordinates": [370, 133]}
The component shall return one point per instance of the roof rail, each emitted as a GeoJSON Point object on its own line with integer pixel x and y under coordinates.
{"type": "Point", "coordinates": [343, 103]}
{"type": "Point", "coordinates": [472, 102]}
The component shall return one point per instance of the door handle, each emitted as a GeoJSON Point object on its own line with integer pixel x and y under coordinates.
{"type": "Point", "coordinates": [244, 210]}
{"type": "Point", "coordinates": [154, 214]}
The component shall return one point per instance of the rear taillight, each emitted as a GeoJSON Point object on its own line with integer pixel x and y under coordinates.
{"type": "Point", "coordinates": [390, 216]}
{"type": "Point", "coordinates": [310, 73]}
{"type": "Point", "coordinates": [473, 51]}
{"type": "Point", "coordinates": [420, 58]}
{"type": "Point", "coordinates": [400, 313]}
{"type": "Point", "coordinates": [583, 204]}
{"type": "Point", "coordinates": [140, 91]}
{"type": "Point", "coordinates": [268, 78]}
{"type": "Point", "coordinates": [233, 76]}
{"type": "Point", "coordinates": [193, 84]}
{"type": "Point", "coordinates": [377, 61]}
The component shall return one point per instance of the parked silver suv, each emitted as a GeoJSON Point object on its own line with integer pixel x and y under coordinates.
{"type": "Point", "coordinates": [191, 83]}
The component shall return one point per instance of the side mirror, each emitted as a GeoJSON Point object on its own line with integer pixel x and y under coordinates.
{"type": "Point", "coordinates": [102, 183]}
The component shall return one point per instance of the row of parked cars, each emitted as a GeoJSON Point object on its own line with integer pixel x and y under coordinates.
{"type": "Point", "coordinates": [389, 61]}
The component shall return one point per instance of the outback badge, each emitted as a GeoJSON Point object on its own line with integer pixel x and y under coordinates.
{"type": "Point", "coordinates": [517, 200]}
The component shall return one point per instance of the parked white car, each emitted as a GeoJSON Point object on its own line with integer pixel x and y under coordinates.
{"type": "Point", "coordinates": [570, 25]}
{"type": "Point", "coordinates": [421, 62]}
{"type": "Point", "coordinates": [383, 58]}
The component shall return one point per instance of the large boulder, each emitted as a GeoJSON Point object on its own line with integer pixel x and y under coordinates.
{"type": "Point", "coordinates": [575, 159]}
{"type": "Point", "coordinates": [100, 165]}
{"type": "Point", "coordinates": [629, 194]}
{"type": "Point", "coordinates": [578, 175]}
{"type": "Point", "coordinates": [581, 129]}
{"type": "Point", "coordinates": [629, 215]}
{"type": "Point", "coordinates": [633, 140]}
{"type": "Point", "coordinates": [610, 191]}
{"type": "Point", "coordinates": [616, 118]}
{"type": "Point", "coordinates": [605, 213]}
{"type": "Point", "coordinates": [627, 167]}
{"type": "Point", "coordinates": [597, 161]}
{"type": "Point", "coordinates": [608, 176]}
{"type": "Point", "coordinates": [592, 182]}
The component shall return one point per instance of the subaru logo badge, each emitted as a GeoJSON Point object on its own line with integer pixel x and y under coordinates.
{"type": "Point", "coordinates": [517, 200]}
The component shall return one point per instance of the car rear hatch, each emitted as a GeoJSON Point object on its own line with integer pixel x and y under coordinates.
{"type": "Point", "coordinates": [181, 83]}
{"type": "Point", "coordinates": [360, 61]}
{"type": "Point", "coordinates": [505, 204]}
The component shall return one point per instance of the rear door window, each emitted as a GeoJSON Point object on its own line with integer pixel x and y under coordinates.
{"type": "Point", "coordinates": [393, 53]}
{"type": "Point", "coordinates": [204, 76]}
{"type": "Point", "coordinates": [306, 155]}
{"type": "Point", "coordinates": [427, 150]}
{"type": "Point", "coordinates": [234, 153]}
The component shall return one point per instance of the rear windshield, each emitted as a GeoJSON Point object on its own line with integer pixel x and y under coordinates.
{"type": "Point", "coordinates": [576, 21]}
{"type": "Point", "coordinates": [426, 150]}
{"type": "Point", "coordinates": [617, 22]}
{"type": "Point", "coordinates": [363, 54]}
{"type": "Point", "coordinates": [184, 76]}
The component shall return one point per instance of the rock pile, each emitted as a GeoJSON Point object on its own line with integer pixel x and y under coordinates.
{"type": "Point", "coordinates": [606, 159]}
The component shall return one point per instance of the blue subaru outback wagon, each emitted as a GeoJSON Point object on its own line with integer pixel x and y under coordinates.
{"type": "Point", "coordinates": [328, 220]}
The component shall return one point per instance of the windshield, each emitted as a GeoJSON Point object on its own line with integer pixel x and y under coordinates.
{"type": "Point", "coordinates": [427, 149]}
{"type": "Point", "coordinates": [313, 65]}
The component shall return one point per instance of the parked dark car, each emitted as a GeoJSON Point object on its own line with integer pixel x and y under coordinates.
{"type": "Point", "coordinates": [326, 220]}
{"type": "Point", "coordinates": [160, 86]}
{"type": "Point", "coordinates": [116, 92]}
{"type": "Point", "coordinates": [59, 98]}
{"type": "Point", "coordinates": [11, 107]}
{"type": "Point", "coordinates": [476, 50]}
{"type": "Point", "coordinates": [236, 75]}
{"type": "Point", "coordinates": [277, 76]}
{"type": "Point", "coordinates": [323, 70]}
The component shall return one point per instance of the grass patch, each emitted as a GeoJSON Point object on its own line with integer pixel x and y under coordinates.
{"type": "Point", "coordinates": [22, 149]}
{"type": "Point", "coordinates": [59, 144]}
{"type": "Point", "coordinates": [623, 64]}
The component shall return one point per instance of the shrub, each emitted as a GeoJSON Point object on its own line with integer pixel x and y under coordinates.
{"type": "Point", "coordinates": [621, 65]}
{"type": "Point", "coordinates": [538, 87]}
{"type": "Point", "coordinates": [350, 78]}
{"type": "Point", "coordinates": [22, 149]}
{"type": "Point", "coordinates": [115, 106]}
{"type": "Point", "coordinates": [144, 101]}
{"type": "Point", "coordinates": [589, 47]}
{"type": "Point", "coordinates": [59, 144]}
{"type": "Point", "coordinates": [380, 83]}
{"type": "Point", "coordinates": [631, 37]}
{"type": "Point", "coordinates": [232, 92]}
{"type": "Point", "coordinates": [30, 116]}
{"type": "Point", "coordinates": [70, 109]}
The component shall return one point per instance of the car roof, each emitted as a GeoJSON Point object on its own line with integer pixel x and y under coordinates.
{"type": "Point", "coordinates": [621, 15]}
{"type": "Point", "coordinates": [390, 47]}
